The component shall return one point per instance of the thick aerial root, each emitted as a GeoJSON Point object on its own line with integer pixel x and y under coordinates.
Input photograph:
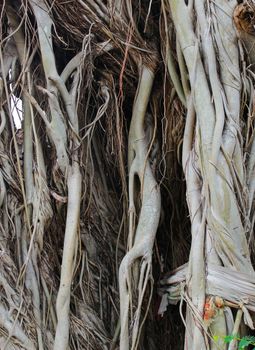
{"type": "Point", "coordinates": [70, 244]}
{"type": "Point", "coordinates": [55, 127]}
{"type": "Point", "coordinates": [31, 280]}
{"type": "Point", "coordinates": [145, 232]}
{"type": "Point", "coordinates": [218, 209]}
{"type": "Point", "coordinates": [196, 271]}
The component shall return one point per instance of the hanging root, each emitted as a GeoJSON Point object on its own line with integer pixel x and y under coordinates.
{"type": "Point", "coordinates": [149, 214]}
{"type": "Point", "coordinates": [57, 131]}
{"type": "Point", "coordinates": [57, 66]}
{"type": "Point", "coordinates": [212, 156]}
{"type": "Point", "coordinates": [70, 244]}
{"type": "Point", "coordinates": [56, 127]}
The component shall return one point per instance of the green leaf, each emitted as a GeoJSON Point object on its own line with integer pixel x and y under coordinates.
{"type": "Point", "coordinates": [229, 338]}
{"type": "Point", "coordinates": [251, 338]}
{"type": "Point", "coordinates": [216, 338]}
{"type": "Point", "coordinates": [245, 341]}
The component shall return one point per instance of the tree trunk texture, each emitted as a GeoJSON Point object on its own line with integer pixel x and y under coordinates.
{"type": "Point", "coordinates": [127, 150]}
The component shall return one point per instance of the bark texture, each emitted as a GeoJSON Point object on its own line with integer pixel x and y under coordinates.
{"type": "Point", "coordinates": [127, 149]}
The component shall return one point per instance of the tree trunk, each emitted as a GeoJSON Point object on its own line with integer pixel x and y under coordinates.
{"type": "Point", "coordinates": [127, 150]}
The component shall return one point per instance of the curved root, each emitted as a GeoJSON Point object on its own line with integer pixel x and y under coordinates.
{"type": "Point", "coordinates": [148, 219]}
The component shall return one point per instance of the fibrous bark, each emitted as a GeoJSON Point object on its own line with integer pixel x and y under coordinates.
{"type": "Point", "coordinates": [215, 165]}
{"type": "Point", "coordinates": [135, 155]}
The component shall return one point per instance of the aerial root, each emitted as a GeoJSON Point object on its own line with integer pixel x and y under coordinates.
{"type": "Point", "coordinates": [142, 237]}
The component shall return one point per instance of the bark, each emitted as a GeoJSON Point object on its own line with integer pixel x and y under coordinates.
{"type": "Point", "coordinates": [135, 156]}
